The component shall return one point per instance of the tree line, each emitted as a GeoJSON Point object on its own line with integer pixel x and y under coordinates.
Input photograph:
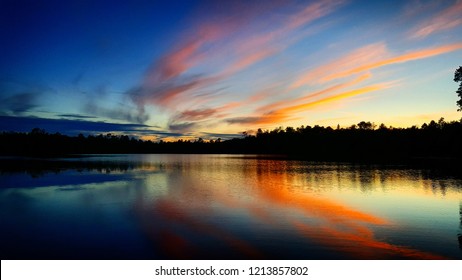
{"type": "Point", "coordinates": [360, 142]}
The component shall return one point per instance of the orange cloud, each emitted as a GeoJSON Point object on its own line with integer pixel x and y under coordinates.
{"type": "Point", "coordinates": [330, 99]}
{"type": "Point", "coordinates": [275, 105]}
{"type": "Point", "coordinates": [284, 114]}
{"type": "Point", "coordinates": [446, 19]}
{"type": "Point", "coordinates": [273, 119]}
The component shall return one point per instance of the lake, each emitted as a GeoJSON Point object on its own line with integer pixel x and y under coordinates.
{"type": "Point", "coordinates": [225, 207]}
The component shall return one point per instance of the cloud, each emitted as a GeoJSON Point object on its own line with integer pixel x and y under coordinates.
{"type": "Point", "coordinates": [174, 80]}
{"type": "Point", "coordinates": [313, 12]}
{"type": "Point", "coordinates": [415, 55]}
{"type": "Point", "coordinates": [223, 136]}
{"type": "Point", "coordinates": [273, 106]}
{"type": "Point", "coordinates": [274, 118]}
{"type": "Point", "coordinates": [267, 43]}
{"type": "Point", "coordinates": [366, 59]}
{"type": "Point", "coordinates": [75, 116]}
{"type": "Point", "coordinates": [182, 127]}
{"type": "Point", "coordinates": [197, 115]}
{"type": "Point", "coordinates": [286, 113]}
{"type": "Point", "coordinates": [333, 98]}
{"type": "Point", "coordinates": [249, 59]}
{"type": "Point", "coordinates": [362, 55]}
{"type": "Point", "coordinates": [70, 127]}
{"type": "Point", "coordinates": [166, 94]}
{"type": "Point", "coordinates": [118, 113]}
{"type": "Point", "coordinates": [444, 20]}
{"type": "Point", "coordinates": [18, 104]}
{"type": "Point", "coordinates": [186, 54]}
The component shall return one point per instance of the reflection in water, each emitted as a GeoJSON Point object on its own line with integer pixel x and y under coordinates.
{"type": "Point", "coordinates": [459, 235]}
{"type": "Point", "coordinates": [338, 226]}
{"type": "Point", "coordinates": [204, 207]}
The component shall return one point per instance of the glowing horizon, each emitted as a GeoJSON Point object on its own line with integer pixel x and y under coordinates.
{"type": "Point", "coordinates": [202, 69]}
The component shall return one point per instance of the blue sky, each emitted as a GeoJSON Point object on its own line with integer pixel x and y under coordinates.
{"type": "Point", "coordinates": [199, 68]}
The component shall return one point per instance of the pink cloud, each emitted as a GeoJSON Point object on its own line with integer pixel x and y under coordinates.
{"type": "Point", "coordinates": [366, 59]}
{"type": "Point", "coordinates": [414, 55]}
{"type": "Point", "coordinates": [363, 55]}
{"type": "Point", "coordinates": [173, 80]}
{"type": "Point", "coordinates": [446, 19]}
{"type": "Point", "coordinates": [266, 44]}
{"type": "Point", "coordinates": [313, 12]}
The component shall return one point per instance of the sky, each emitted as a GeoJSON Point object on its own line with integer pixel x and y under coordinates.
{"type": "Point", "coordinates": [214, 69]}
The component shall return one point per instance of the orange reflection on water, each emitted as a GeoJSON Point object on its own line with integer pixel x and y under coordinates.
{"type": "Point", "coordinates": [270, 195]}
{"type": "Point", "coordinates": [176, 221]}
{"type": "Point", "coordinates": [360, 246]}
{"type": "Point", "coordinates": [343, 228]}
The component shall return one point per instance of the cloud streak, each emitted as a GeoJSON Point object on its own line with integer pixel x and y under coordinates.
{"type": "Point", "coordinates": [70, 126]}
{"type": "Point", "coordinates": [323, 92]}
{"type": "Point", "coordinates": [173, 79]}
{"type": "Point", "coordinates": [18, 104]}
{"type": "Point", "coordinates": [266, 44]}
{"type": "Point", "coordinates": [445, 20]}
{"type": "Point", "coordinates": [366, 59]}
{"type": "Point", "coordinates": [415, 55]}
{"type": "Point", "coordinates": [288, 113]}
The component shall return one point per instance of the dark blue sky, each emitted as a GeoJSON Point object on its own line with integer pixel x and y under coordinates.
{"type": "Point", "coordinates": [54, 41]}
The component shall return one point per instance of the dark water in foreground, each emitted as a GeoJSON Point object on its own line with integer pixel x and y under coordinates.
{"type": "Point", "coordinates": [225, 207]}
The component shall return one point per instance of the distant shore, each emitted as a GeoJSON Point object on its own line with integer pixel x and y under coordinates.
{"type": "Point", "coordinates": [436, 145]}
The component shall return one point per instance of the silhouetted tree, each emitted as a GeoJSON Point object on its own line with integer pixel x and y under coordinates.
{"type": "Point", "coordinates": [457, 79]}
{"type": "Point", "coordinates": [433, 142]}
{"type": "Point", "coordinates": [366, 125]}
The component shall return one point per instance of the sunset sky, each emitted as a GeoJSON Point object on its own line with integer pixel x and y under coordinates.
{"type": "Point", "coordinates": [169, 69]}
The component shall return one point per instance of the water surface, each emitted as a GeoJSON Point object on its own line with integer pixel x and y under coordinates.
{"type": "Point", "coordinates": [225, 207]}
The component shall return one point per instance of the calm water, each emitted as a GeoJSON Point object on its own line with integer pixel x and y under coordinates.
{"type": "Point", "coordinates": [226, 207]}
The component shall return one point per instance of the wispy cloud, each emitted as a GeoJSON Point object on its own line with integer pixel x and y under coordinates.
{"type": "Point", "coordinates": [311, 95]}
{"type": "Point", "coordinates": [267, 43]}
{"type": "Point", "coordinates": [174, 79]}
{"type": "Point", "coordinates": [444, 20]}
{"type": "Point", "coordinates": [362, 55]}
{"type": "Point", "coordinates": [333, 98]}
{"type": "Point", "coordinates": [70, 126]}
{"type": "Point", "coordinates": [75, 116]}
{"type": "Point", "coordinates": [18, 104]}
{"type": "Point", "coordinates": [167, 94]}
{"type": "Point", "coordinates": [116, 113]}
{"type": "Point", "coordinates": [415, 55]}
{"type": "Point", "coordinates": [288, 113]}
{"type": "Point", "coordinates": [182, 127]}
{"type": "Point", "coordinates": [366, 59]}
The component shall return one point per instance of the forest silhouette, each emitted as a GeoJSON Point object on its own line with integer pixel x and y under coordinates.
{"type": "Point", "coordinates": [438, 142]}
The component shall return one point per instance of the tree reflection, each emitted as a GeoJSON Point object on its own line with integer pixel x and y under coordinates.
{"type": "Point", "coordinates": [459, 235]}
